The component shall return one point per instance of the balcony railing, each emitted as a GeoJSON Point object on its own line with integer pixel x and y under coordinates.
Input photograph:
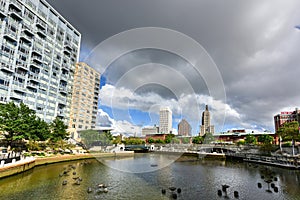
{"type": "Point", "coordinates": [10, 34]}
{"type": "Point", "coordinates": [7, 67]}
{"type": "Point", "coordinates": [32, 85]}
{"type": "Point", "coordinates": [16, 5]}
{"type": "Point", "coordinates": [63, 89]}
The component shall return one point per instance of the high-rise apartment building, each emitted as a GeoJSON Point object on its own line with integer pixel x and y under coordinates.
{"type": "Point", "coordinates": [165, 120]}
{"type": "Point", "coordinates": [39, 49]}
{"type": "Point", "coordinates": [184, 128]}
{"type": "Point", "coordinates": [84, 105]}
{"type": "Point", "coordinates": [286, 116]}
{"type": "Point", "coordinates": [205, 126]}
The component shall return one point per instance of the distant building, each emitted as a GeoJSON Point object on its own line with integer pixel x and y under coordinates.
{"type": "Point", "coordinates": [205, 126]}
{"type": "Point", "coordinates": [284, 117]}
{"type": "Point", "coordinates": [184, 128]}
{"type": "Point", "coordinates": [238, 135]}
{"type": "Point", "coordinates": [84, 105]}
{"type": "Point", "coordinates": [156, 136]}
{"type": "Point", "coordinates": [165, 120]}
{"type": "Point", "coordinates": [150, 130]}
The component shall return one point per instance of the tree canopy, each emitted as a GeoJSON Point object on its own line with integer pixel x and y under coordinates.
{"type": "Point", "coordinates": [265, 139]}
{"type": "Point", "coordinates": [94, 138]}
{"type": "Point", "coordinates": [58, 130]}
{"type": "Point", "coordinates": [198, 140]}
{"type": "Point", "coordinates": [250, 139]}
{"type": "Point", "coordinates": [289, 131]}
{"type": "Point", "coordinates": [208, 138]}
{"type": "Point", "coordinates": [16, 121]}
{"type": "Point", "coordinates": [19, 122]}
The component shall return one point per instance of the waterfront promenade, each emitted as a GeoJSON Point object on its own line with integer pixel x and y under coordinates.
{"type": "Point", "coordinates": [27, 163]}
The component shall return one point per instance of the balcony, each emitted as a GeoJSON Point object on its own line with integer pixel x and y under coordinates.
{"type": "Point", "coordinates": [22, 65]}
{"type": "Point", "coordinates": [37, 50]}
{"type": "Point", "coordinates": [68, 46]}
{"type": "Point", "coordinates": [16, 5]}
{"type": "Point", "coordinates": [34, 70]}
{"type": "Point", "coordinates": [7, 67]}
{"type": "Point", "coordinates": [17, 96]}
{"type": "Point", "coordinates": [64, 76]}
{"type": "Point", "coordinates": [62, 103]}
{"type": "Point", "coordinates": [65, 66]}
{"type": "Point", "coordinates": [37, 59]}
{"type": "Point", "coordinates": [20, 74]}
{"type": "Point", "coordinates": [27, 30]}
{"type": "Point", "coordinates": [33, 78]}
{"type": "Point", "coordinates": [41, 33]}
{"type": "Point", "coordinates": [18, 87]}
{"type": "Point", "coordinates": [36, 65]}
{"type": "Point", "coordinates": [17, 15]}
{"type": "Point", "coordinates": [25, 38]}
{"type": "Point", "coordinates": [32, 85]}
{"type": "Point", "coordinates": [67, 52]}
{"type": "Point", "coordinates": [41, 25]}
{"type": "Point", "coordinates": [2, 14]}
{"type": "Point", "coordinates": [60, 113]}
{"type": "Point", "coordinates": [10, 35]}
{"type": "Point", "coordinates": [63, 89]}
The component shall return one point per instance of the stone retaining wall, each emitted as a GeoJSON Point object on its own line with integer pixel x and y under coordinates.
{"type": "Point", "coordinates": [29, 163]}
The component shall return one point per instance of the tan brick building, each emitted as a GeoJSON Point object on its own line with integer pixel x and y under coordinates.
{"type": "Point", "coordinates": [84, 98]}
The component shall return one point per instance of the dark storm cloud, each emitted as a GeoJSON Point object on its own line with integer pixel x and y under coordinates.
{"type": "Point", "coordinates": [254, 44]}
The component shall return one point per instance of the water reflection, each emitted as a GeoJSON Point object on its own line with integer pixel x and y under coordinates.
{"type": "Point", "coordinates": [140, 163]}
{"type": "Point", "coordinates": [197, 179]}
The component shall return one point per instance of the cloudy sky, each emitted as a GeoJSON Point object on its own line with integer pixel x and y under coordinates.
{"type": "Point", "coordinates": [249, 64]}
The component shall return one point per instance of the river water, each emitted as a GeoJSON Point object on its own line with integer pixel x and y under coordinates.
{"type": "Point", "coordinates": [145, 175]}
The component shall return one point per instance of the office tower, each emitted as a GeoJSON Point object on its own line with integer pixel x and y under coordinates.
{"type": "Point", "coordinates": [286, 116]}
{"type": "Point", "coordinates": [205, 126]}
{"type": "Point", "coordinates": [184, 128]}
{"type": "Point", "coordinates": [165, 120]}
{"type": "Point", "coordinates": [39, 49]}
{"type": "Point", "coordinates": [84, 105]}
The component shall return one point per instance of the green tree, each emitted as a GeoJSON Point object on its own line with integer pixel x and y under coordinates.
{"type": "Point", "coordinates": [250, 139]}
{"type": "Point", "coordinates": [208, 138]}
{"type": "Point", "coordinates": [289, 132]}
{"type": "Point", "coordinates": [39, 130]}
{"type": "Point", "coordinates": [133, 141]}
{"type": "Point", "coordinates": [117, 140]}
{"type": "Point", "coordinates": [198, 140]}
{"type": "Point", "coordinates": [175, 140]}
{"type": "Point", "coordinates": [150, 140]}
{"type": "Point", "coordinates": [169, 138]}
{"type": "Point", "coordinates": [159, 141]}
{"type": "Point", "coordinates": [93, 137]}
{"type": "Point", "coordinates": [16, 121]}
{"type": "Point", "coordinates": [58, 130]}
{"type": "Point", "coordinates": [265, 139]}
{"type": "Point", "coordinates": [185, 140]}
{"type": "Point", "coordinates": [266, 144]}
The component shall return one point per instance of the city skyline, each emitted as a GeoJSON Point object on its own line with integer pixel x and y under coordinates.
{"type": "Point", "coordinates": [253, 50]}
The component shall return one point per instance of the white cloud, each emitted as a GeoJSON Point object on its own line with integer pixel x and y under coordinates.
{"type": "Point", "coordinates": [119, 126]}
{"type": "Point", "coordinates": [187, 106]}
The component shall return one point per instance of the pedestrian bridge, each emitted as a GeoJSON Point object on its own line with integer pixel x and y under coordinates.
{"type": "Point", "coordinates": [137, 148]}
